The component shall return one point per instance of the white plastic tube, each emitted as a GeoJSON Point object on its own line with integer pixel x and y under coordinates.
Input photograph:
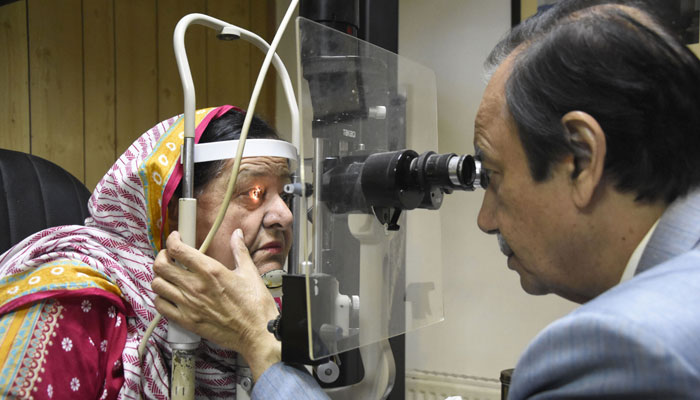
{"type": "Point", "coordinates": [219, 25]}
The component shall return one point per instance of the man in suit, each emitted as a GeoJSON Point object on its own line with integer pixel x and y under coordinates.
{"type": "Point", "coordinates": [589, 130]}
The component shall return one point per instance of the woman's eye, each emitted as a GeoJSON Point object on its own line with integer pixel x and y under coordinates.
{"type": "Point", "coordinates": [256, 193]}
{"type": "Point", "coordinates": [253, 196]}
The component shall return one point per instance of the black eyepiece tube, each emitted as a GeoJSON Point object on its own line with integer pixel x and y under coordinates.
{"type": "Point", "coordinates": [447, 171]}
{"type": "Point", "coordinates": [405, 180]}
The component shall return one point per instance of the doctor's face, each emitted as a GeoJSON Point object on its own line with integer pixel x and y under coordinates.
{"type": "Point", "coordinates": [257, 207]}
{"type": "Point", "coordinates": [533, 219]}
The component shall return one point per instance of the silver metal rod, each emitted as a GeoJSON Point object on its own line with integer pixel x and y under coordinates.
{"type": "Point", "coordinates": [188, 169]}
{"type": "Point", "coordinates": [299, 218]}
{"type": "Point", "coordinates": [318, 208]}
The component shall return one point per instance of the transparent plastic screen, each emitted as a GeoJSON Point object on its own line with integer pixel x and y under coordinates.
{"type": "Point", "coordinates": [375, 271]}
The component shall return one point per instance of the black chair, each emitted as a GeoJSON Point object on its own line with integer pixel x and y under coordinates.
{"type": "Point", "coordinates": [36, 194]}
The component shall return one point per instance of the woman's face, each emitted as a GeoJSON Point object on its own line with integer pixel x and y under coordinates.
{"type": "Point", "coordinates": [257, 207]}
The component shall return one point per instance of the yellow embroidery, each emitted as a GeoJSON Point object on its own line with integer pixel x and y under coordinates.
{"type": "Point", "coordinates": [155, 173]}
{"type": "Point", "coordinates": [8, 331]}
{"type": "Point", "coordinates": [61, 274]}
{"type": "Point", "coordinates": [25, 348]}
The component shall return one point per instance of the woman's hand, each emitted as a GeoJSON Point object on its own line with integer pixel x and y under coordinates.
{"type": "Point", "coordinates": [228, 307]}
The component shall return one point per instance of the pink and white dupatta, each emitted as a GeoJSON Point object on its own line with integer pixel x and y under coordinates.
{"type": "Point", "coordinates": [111, 256]}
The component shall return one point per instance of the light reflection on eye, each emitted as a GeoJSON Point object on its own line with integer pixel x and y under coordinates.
{"type": "Point", "coordinates": [256, 193]}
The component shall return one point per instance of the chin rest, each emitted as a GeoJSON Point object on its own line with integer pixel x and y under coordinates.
{"type": "Point", "coordinates": [36, 194]}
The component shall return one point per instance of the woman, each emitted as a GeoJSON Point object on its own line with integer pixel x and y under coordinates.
{"type": "Point", "coordinates": [76, 300]}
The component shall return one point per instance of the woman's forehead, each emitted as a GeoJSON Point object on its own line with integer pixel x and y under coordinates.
{"type": "Point", "coordinates": [264, 166]}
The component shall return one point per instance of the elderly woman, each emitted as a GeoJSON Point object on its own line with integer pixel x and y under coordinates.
{"type": "Point", "coordinates": [75, 301]}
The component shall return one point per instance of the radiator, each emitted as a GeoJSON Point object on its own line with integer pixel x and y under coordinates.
{"type": "Point", "coordinates": [431, 385]}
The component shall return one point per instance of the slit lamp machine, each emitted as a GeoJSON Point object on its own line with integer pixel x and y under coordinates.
{"type": "Point", "coordinates": [367, 183]}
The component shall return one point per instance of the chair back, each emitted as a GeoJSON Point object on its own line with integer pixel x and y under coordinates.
{"type": "Point", "coordinates": [36, 194]}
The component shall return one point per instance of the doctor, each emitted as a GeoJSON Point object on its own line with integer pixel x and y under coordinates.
{"type": "Point", "coordinates": [590, 130]}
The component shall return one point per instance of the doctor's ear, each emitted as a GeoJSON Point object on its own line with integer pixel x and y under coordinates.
{"type": "Point", "coordinates": [587, 141]}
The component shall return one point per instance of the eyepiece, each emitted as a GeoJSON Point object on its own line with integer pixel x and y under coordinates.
{"type": "Point", "coordinates": [447, 171]}
{"type": "Point", "coordinates": [481, 178]}
{"type": "Point", "coordinates": [400, 179]}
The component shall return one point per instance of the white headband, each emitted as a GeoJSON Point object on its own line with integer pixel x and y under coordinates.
{"type": "Point", "coordinates": [214, 151]}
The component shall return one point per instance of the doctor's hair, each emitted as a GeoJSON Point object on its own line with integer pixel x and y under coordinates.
{"type": "Point", "coordinates": [226, 127]}
{"type": "Point", "coordinates": [545, 20]}
{"type": "Point", "coordinates": [622, 67]}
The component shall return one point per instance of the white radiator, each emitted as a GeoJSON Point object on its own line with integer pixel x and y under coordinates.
{"type": "Point", "coordinates": [430, 385]}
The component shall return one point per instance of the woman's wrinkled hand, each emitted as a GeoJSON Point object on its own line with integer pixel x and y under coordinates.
{"type": "Point", "coordinates": [228, 307]}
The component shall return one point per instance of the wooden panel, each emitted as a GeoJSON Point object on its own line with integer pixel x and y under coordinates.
{"type": "Point", "coordinates": [85, 78]}
{"type": "Point", "coordinates": [228, 62]}
{"type": "Point", "coordinates": [14, 74]}
{"type": "Point", "coordinates": [136, 69]}
{"type": "Point", "coordinates": [98, 47]}
{"type": "Point", "coordinates": [262, 22]}
{"type": "Point", "coordinates": [695, 48]}
{"type": "Point", "coordinates": [56, 85]}
{"type": "Point", "coordinates": [528, 8]}
{"type": "Point", "coordinates": [170, 97]}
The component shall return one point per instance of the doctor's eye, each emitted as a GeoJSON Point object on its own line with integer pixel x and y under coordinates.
{"type": "Point", "coordinates": [485, 178]}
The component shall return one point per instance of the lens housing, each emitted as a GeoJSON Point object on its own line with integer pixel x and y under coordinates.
{"type": "Point", "coordinates": [403, 179]}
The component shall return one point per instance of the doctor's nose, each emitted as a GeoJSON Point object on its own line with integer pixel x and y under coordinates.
{"type": "Point", "coordinates": [485, 220]}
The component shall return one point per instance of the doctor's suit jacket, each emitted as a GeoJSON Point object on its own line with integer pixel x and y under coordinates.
{"type": "Point", "coordinates": [638, 340]}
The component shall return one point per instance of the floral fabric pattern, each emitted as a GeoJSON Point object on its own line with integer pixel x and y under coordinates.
{"type": "Point", "coordinates": [58, 361]}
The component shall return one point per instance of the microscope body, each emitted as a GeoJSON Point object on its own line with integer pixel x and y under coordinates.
{"type": "Point", "coordinates": [348, 292]}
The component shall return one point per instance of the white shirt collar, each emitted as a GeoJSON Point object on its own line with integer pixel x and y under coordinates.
{"type": "Point", "coordinates": [633, 262]}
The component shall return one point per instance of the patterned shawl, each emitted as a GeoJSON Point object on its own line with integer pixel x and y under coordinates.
{"type": "Point", "coordinates": [113, 254]}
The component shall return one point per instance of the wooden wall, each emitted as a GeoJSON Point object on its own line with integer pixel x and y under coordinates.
{"type": "Point", "coordinates": [81, 79]}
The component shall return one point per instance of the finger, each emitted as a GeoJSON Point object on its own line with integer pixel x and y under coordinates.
{"type": "Point", "coordinates": [161, 263]}
{"type": "Point", "coordinates": [241, 255]}
{"type": "Point", "coordinates": [165, 268]}
{"type": "Point", "coordinates": [188, 256]}
{"type": "Point", "coordinates": [168, 310]}
{"type": "Point", "coordinates": [167, 291]}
